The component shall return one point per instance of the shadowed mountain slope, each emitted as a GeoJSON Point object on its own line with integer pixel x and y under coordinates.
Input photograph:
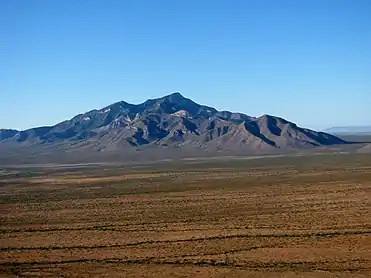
{"type": "Point", "coordinates": [172, 121]}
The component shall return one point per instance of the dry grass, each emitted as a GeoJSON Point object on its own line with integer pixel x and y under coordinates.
{"type": "Point", "coordinates": [245, 220]}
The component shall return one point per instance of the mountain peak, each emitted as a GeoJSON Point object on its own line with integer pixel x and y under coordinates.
{"type": "Point", "coordinates": [173, 120]}
{"type": "Point", "coordinates": [174, 97]}
{"type": "Point", "coordinates": [176, 94]}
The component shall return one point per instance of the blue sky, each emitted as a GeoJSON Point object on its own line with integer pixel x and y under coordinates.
{"type": "Point", "coordinates": [308, 61]}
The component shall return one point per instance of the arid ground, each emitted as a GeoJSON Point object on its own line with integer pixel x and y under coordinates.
{"type": "Point", "coordinates": [272, 217]}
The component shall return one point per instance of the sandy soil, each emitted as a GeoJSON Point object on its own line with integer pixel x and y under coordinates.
{"type": "Point", "coordinates": [248, 222]}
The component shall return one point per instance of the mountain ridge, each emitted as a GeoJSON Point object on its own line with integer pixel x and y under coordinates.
{"type": "Point", "coordinates": [172, 121]}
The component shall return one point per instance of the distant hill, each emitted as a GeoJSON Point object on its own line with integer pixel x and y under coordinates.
{"type": "Point", "coordinates": [349, 130]}
{"type": "Point", "coordinates": [365, 149]}
{"type": "Point", "coordinates": [171, 122]}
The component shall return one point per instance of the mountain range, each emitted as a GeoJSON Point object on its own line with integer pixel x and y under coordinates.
{"type": "Point", "coordinates": [171, 122]}
{"type": "Point", "coordinates": [349, 130]}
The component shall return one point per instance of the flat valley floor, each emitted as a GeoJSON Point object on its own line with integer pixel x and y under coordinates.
{"type": "Point", "coordinates": [271, 217]}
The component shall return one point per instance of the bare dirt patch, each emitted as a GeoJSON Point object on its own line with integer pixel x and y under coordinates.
{"type": "Point", "coordinates": [286, 221]}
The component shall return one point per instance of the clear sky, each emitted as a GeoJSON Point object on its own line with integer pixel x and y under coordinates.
{"type": "Point", "coordinates": [305, 60]}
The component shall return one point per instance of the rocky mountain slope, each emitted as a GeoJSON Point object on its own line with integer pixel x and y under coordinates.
{"type": "Point", "coordinates": [172, 121]}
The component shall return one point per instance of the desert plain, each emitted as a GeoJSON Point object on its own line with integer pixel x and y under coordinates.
{"type": "Point", "coordinates": [299, 216]}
